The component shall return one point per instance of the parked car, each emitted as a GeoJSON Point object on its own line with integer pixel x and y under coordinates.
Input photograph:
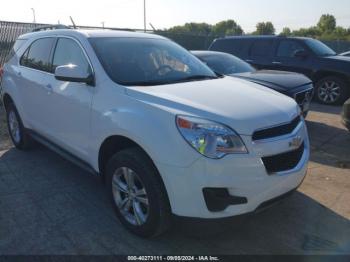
{"type": "Point", "coordinates": [346, 54]}
{"type": "Point", "coordinates": [346, 114]}
{"type": "Point", "coordinates": [296, 86]}
{"type": "Point", "coordinates": [329, 71]}
{"type": "Point", "coordinates": [165, 132]}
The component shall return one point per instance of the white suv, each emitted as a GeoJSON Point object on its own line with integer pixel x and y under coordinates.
{"type": "Point", "coordinates": [167, 134]}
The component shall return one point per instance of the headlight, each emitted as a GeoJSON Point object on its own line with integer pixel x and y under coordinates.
{"type": "Point", "coordinates": [209, 138]}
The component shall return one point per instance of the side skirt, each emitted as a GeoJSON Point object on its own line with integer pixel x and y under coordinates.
{"type": "Point", "coordinates": [62, 152]}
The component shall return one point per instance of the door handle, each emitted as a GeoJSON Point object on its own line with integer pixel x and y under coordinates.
{"type": "Point", "coordinates": [249, 60]}
{"type": "Point", "coordinates": [49, 88]}
{"type": "Point", "coordinates": [277, 63]}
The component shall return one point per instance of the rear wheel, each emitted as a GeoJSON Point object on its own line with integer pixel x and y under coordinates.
{"type": "Point", "coordinates": [19, 136]}
{"type": "Point", "coordinates": [331, 91]}
{"type": "Point", "coordinates": [138, 194]}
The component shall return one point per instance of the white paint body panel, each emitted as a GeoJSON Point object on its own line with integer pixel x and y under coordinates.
{"type": "Point", "coordinates": [79, 118]}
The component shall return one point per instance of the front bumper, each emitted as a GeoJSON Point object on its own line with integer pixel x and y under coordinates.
{"type": "Point", "coordinates": [243, 176]}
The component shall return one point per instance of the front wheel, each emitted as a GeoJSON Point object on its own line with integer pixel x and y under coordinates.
{"type": "Point", "coordinates": [138, 193]}
{"type": "Point", "coordinates": [331, 91]}
{"type": "Point", "coordinates": [19, 136]}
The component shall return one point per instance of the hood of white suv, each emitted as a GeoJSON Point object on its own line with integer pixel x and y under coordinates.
{"type": "Point", "coordinates": [240, 104]}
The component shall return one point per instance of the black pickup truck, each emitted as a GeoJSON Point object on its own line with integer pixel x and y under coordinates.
{"type": "Point", "coordinates": [329, 72]}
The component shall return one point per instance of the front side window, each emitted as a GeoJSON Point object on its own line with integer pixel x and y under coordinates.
{"type": "Point", "coordinates": [69, 52]}
{"type": "Point", "coordinates": [38, 55]}
{"type": "Point", "coordinates": [261, 48]}
{"type": "Point", "coordinates": [287, 48]}
{"type": "Point", "coordinates": [148, 61]}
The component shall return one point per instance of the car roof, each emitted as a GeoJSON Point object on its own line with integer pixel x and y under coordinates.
{"type": "Point", "coordinates": [254, 37]}
{"type": "Point", "coordinates": [90, 34]}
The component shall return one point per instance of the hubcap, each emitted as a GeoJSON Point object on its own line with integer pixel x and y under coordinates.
{"type": "Point", "coordinates": [329, 92]}
{"type": "Point", "coordinates": [130, 196]}
{"type": "Point", "coordinates": [14, 127]}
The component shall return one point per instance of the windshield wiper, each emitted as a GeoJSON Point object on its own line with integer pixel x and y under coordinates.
{"type": "Point", "coordinates": [195, 78]}
{"type": "Point", "coordinates": [145, 83]}
{"type": "Point", "coordinates": [170, 81]}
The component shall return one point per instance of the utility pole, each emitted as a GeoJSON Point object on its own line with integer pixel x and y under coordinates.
{"type": "Point", "coordinates": [34, 19]}
{"type": "Point", "coordinates": [144, 16]}
{"type": "Point", "coordinates": [103, 25]}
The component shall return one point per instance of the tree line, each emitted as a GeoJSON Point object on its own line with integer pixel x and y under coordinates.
{"type": "Point", "coordinates": [326, 29]}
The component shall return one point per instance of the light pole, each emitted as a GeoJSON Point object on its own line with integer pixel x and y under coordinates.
{"type": "Point", "coordinates": [34, 20]}
{"type": "Point", "coordinates": [103, 25]}
{"type": "Point", "coordinates": [144, 16]}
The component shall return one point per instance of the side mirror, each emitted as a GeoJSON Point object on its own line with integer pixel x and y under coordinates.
{"type": "Point", "coordinates": [300, 54]}
{"type": "Point", "coordinates": [73, 73]}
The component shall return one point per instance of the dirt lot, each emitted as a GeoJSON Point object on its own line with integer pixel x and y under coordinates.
{"type": "Point", "coordinates": [49, 206]}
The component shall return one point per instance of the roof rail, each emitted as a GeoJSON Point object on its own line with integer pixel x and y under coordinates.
{"type": "Point", "coordinates": [50, 27]}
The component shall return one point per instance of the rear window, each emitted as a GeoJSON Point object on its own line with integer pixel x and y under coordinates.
{"type": "Point", "coordinates": [38, 54]}
{"type": "Point", "coordinates": [261, 48]}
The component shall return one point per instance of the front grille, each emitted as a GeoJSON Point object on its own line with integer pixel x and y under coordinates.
{"type": "Point", "coordinates": [283, 162]}
{"type": "Point", "coordinates": [276, 131]}
{"type": "Point", "coordinates": [303, 97]}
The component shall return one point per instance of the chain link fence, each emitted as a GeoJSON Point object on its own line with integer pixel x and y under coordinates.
{"type": "Point", "coordinates": [9, 32]}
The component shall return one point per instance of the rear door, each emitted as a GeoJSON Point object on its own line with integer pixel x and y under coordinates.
{"type": "Point", "coordinates": [261, 53]}
{"type": "Point", "coordinates": [33, 83]}
{"type": "Point", "coordinates": [70, 103]}
{"type": "Point", "coordinates": [286, 60]}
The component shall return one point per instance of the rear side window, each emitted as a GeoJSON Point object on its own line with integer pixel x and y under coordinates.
{"type": "Point", "coordinates": [261, 48]}
{"type": "Point", "coordinates": [287, 48]}
{"type": "Point", "coordinates": [38, 55]}
{"type": "Point", "coordinates": [69, 52]}
{"type": "Point", "coordinates": [237, 47]}
{"type": "Point", "coordinates": [18, 44]}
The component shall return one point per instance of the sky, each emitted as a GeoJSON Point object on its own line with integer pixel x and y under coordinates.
{"type": "Point", "coordinates": [167, 13]}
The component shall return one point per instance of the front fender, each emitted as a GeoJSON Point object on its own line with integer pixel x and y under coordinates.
{"type": "Point", "coordinates": [151, 127]}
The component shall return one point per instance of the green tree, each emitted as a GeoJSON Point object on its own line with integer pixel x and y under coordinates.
{"type": "Point", "coordinates": [192, 28]}
{"type": "Point", "coordinates": [286, 32]}
{"type": "Point", "coordinates": [265, 28]}
{"type": "Point", "coordinates": [327, 23]}
{"type": "Point", "coordinates": [228, 27]}
{"type": "Point", "coordinates": [313, 31]}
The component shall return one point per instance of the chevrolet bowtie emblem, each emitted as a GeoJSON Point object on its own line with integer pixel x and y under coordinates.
{"type": "Point", "coordinates": [296, 142]}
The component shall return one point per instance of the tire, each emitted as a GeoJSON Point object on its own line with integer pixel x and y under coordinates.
{"type": "Point", "coordinates": [19, 136]}
{"type": "Point", "coordinates": [332, 91]}
{"type": "Point", "coordinates": [144, 220]}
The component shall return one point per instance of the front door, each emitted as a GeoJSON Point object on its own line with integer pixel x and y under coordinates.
{"type": "Point", "coordinates": [285, 59]}
{"type": "Point", "coordinates": [70, 103]}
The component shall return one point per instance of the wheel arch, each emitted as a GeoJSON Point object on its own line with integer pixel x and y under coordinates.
{"type": "Point", "coordinates": [7, 100]}
{"type": "Point", "coordinates": [325, 73]}
{"type": "Point", "coordinates": [116, 143]}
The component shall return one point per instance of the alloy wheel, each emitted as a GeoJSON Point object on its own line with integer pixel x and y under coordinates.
{"type": "Point", "coordinates": [130, 196]}
{"type": "Point", "coordinates": [14, 127]}
{"type": "Point", "coordinates": [329, 92]}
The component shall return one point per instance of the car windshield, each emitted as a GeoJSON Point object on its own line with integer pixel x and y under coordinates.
{"type": "Point", "coordinates": [148, 61]}
{"type": "Point", "coordinates": [226, 64]}
{"type": "Point", "coordinates": [319, 48]}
